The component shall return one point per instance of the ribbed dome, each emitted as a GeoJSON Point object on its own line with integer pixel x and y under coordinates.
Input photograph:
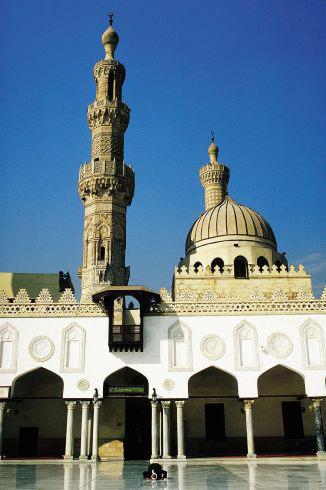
{"type": "Point", "coordinates": [229, 219]}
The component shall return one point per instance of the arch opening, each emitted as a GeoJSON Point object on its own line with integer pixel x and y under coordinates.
{"type": "Point", "coordinates": [37, 427]}
{"type": "Point", "coordinates": [197, 265]}
{"type": "Point", "coordinates": [241, 268]}
{"type": "Point", "coordinates": [261, 262]}
{"type": "Point", "coordinates": [217, 264]}
{"type": "Point", "coordinates": [126, 397]}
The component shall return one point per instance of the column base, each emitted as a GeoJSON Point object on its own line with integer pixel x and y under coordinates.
{"type": "Point", "coordinates": [66, 457]}
{"type": "Point", "coordinates": [154, 456]}
{"type": "Point", "coordinates": [166, 456]}
{"type": "Point", "coordinates": [94, 459]}
{"type": "Point", "coordinates": [251, 456]}
{"type": "Point", "coordinates": [83, 458]}
{"type": "Point", "coordinates": [321, 454]}
{"type": "Point", "coordinates": [181, 456]}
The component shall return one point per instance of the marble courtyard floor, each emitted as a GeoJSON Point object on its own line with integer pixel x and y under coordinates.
{"type": "Point", "coordinates": [200, 474]}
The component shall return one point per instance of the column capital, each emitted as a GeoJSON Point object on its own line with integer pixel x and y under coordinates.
{"type": "Point", "coordinates": [247, 404]}
{"type": "Point", "coordinates": [2, 405]}
{"type": "Point", "coordinates": [97, 404]}
{"type": "Point", "coordinates": [315, 402]}
{"type": "Point", "coordinates": [84, 403]}
{"type": "Point", "coordinates": [154, 404]}
{"type": "Point", "coordinates": [179, 403]}
{"type": "Point", "coordinates": [71, 404]}
{"type": "Point", "coordinates": [166, 404]}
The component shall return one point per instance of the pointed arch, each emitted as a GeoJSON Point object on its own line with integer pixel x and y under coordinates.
{"type": "Point", "coordinates": [8, 348]}
{"type": "Point", "coordinates": [281, 380]}
{"type": "Point", "coordinates": [125, 377]}
{"type": "Point", "coordinates": [212, 381]}
{"type": "Point", "coordinates": [37, 383]}
{"type": "Point", "coordinates": [313, 345]}
{"type": "Point", "coordinates": [246, 347]}
{"type": "Point", "coordinates": [73, 349]}
{"type": "Point", "coordinates": [180, 347]}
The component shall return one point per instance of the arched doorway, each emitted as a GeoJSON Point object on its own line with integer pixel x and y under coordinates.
{"type": "Point", "coordinates": [36, 425]}
{"type": "Point", "coordinates": [126, 416]}
{"type": "Point", "coordinates": [214, 423]}
{"type": "Point", "coordinates": [283, 423]}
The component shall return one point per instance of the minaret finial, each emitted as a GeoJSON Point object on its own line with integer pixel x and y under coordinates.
{"type": "Point", "coordinates": [213, 136]}
{"type": "Point", "coordinates": [110, 18]}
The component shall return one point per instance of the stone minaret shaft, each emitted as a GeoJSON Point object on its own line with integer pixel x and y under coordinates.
{"type": "Point", "coordinates": [106, 184]}
{"type": "Point", "coordinates": [214, 177]}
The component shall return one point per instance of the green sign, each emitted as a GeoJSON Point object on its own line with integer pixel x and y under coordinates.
{"type": "Point", "coordinates": [126, 390]}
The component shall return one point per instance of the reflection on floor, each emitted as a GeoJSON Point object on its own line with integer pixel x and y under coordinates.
{"type": "Point", "coordinates": [204, 475]}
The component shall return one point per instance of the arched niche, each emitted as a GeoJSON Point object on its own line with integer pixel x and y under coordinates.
{"type": "Point", "coordinates": [313, 345]}
{"type": "Point", "coordinates": [241, 268]}
{"type": "Point", "coordinates": [73, 349]}
{"type": "Point", "coordinates": [180, 348]}
{"type": "Point", "coordinates": [281, 380]}
{"type": "Point", "coordinates": [212, 382]}
{"type": "Point", "coordinates": [8, 348]}
{"type": "Point", "coordinates": [39, 383]}
{"type": "Point", "coordinates": [246, 347]}
{"type": "Point", "coordinates": [125, 377]}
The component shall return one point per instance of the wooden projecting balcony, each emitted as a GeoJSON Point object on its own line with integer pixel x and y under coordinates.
{"type": "Point", "coordinates": [126, 337]}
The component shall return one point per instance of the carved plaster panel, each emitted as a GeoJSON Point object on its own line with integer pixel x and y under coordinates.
{"type": "Point", "coordinates": [313, 345]}
{"type": "Point", "coordinates": [83, 384]}
{"type": "Point", "coordinates": [180, 347]}
{"type": "Point", "coordinates": [41, 348]}
{"type": "Point", "coordinates": [279, 345]}
{"type": "Point", "coordinates": [246, 347]}
{"type": "Point", "coordinates": [8, 348]}
{"type": "Point", "coordinates": [212, 347]}
{"type": "Point", "coordinates": [168, 384]}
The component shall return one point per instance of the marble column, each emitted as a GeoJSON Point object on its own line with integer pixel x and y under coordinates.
{"type": "Point", "coordinates": [97, 406]}
{"type": "Point", "coordinates": [89, 434]}
{"type": "Point", "coordinates": [69, 451]}
{"type": "Point", "coordinates": [2, 414]}
{"type": "Point", "coordinates": [155, 427]}
{"type": "Point", "coordinates": [84, 429]}
{"type": "Point", "coordinates": [166, 429]}
{"type": "Point", "coordinates": [321, 453]}
{"type": "Point", "coordinates": [247, 405]}
{"type": "Point", "coordinates": [180, 429]}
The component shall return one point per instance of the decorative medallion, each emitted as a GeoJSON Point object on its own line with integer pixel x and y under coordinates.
{"type": "Point", "coordinates": [83, 384]}
{"type": "Point", "coordinates": [168, 384]}
{"type": "Point", "coordinates": [212, 347]}
{"type": "Point", "coordinates": [279, 345]}
{"type": "Point", "coordinates": [41, 348]}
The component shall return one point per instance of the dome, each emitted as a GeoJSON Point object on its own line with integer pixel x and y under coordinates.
{"type": "Point", "coordinates": [228, 219]}
{"type": "Point", "coordinates": [110, 36]}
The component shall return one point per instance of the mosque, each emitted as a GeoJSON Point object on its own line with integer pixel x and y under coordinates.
{"type": "Point", "coordinates": [230, 362]}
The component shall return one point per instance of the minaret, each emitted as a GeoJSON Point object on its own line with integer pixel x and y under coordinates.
{"type": "Point", "coordinates": [214, 177]}
{"type": "Point", "coordinates": [106, 184]}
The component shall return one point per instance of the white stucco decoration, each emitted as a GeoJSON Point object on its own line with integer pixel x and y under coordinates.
{"type": "Point", "coordinates": [83, 384]}
{"type": "Point", "coordinates": [168, 384]}
{"type": "Point", "coordinates": [41, 348]}
{"type": "Point", "coordinates": [8, 348]}
{"type": "Point", "coordinates": [246, 347]}
{"type": "Point", "coordinates": [212, 347]}
{"type": "Point", "coordinates": [279, 345]}
{"type": "Point", "coordinates": [180, 347]}
{"type": "Point", "coordinates": [73, 349]}
{"type": "Point", "coordinates": [313, 345]}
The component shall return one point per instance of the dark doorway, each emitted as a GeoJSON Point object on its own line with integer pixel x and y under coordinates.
{"type": "Point", "coordinates": [28, 441]}
{"type": "Point", "coordinates": [137, 428]}
{"type": "Point", "coordinates": [292, 420]}
{"type": "Point", "coordinates": [214, 421]}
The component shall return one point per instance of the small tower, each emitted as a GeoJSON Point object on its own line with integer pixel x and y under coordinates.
{"type": "Point", "coordinates": [214, 177]}
{"type": "Point", "coordinates": [106, 184]}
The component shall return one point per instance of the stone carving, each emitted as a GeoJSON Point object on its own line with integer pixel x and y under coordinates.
{"type": "Point", "coordinates": [209, 296]}
{"type": "Point", "coordinates": [22, 297]}
{"type": "Point", "coordinates": [110, 145]}
{"type": "Point", "coordinates": [165, 295]}
{"type": "Point", "coordinates": [323, 294]}
{"type": "Point", "coordinates": [187, 295]}
{"type": "Point", "coordinates": [44, 297]}
{"type": "Point", "coordinates": [168, 384]}
{"type": "Point", "coordinates": [3, 297]}
{"type": "Point", "coordinates": [257, 294]}
{"type": "Point", "coordinates": [212, 347]}
{"type": "Point", "coordinates": [41, 348]}
{"type": "Point", "coordinates": [305, 294]}
{"type": "Point", "coordinates": [67, 297]}
{"type": "Point", "coordinates": [279, 345]}
{"type": "Point", "coordinates": [279, 295]}
{"type": "Point", "coordinates": [83, 384]}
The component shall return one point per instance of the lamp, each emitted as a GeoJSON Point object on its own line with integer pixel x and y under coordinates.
{"type": "Point", "coordinates": [154, 395]}
{"type": "Point", "coordinates": [95, 396]}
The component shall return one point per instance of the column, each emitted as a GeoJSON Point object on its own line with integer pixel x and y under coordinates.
{"type": "Point", "coordinates": [69, 452]}
{"type": "Point", "coordinates": [166, 428]}
{"type": "Point", "coordinates": [2, 414]}
{"type": "Point", "coordinates": [247, 405]}
{"type": "Point", "coordinates": [84, 427]}
{"type": "Point", "coordinates": [89, 435]}
{"type": "Point", "coordinates": [319, 428]}
{"type": "Point", "coordinates": [180, 429]}
{"type": "Point", "coordinates": [97, 406]}
{"type": "Point", "coordinates": [155, 410]}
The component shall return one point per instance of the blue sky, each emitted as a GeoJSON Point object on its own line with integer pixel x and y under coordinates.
{"type": "Point", "coordinates": [254, 71]}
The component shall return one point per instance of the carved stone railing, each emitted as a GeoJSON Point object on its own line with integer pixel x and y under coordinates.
{"type": "Point", "coordinates": [44, 306]}
{"type": "Point", "coordinates": [254, 271]}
